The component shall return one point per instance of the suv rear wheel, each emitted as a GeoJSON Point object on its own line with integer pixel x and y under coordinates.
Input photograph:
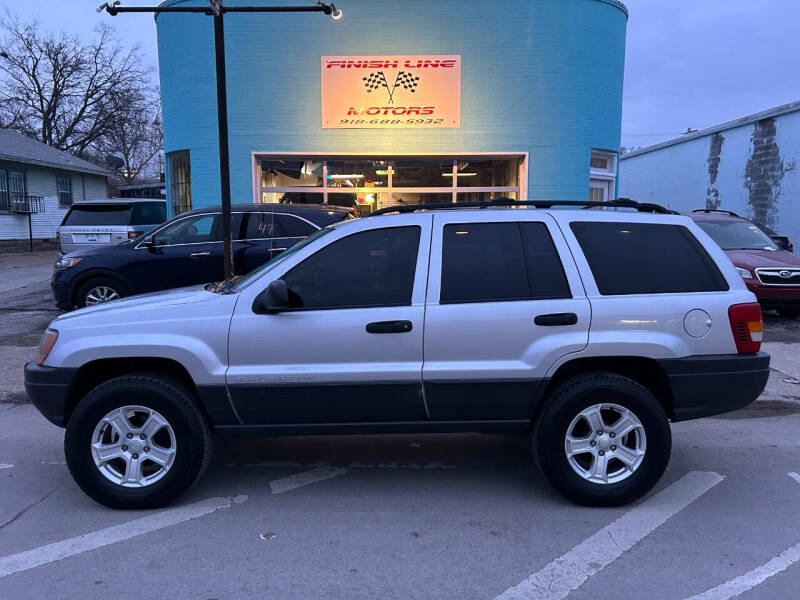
{"type": "Point", "coordinates": [602, 439]}
{"type": "Point", "coordinates": [99, 290]}
{"type": "Point", "coordinates": [137, 441]}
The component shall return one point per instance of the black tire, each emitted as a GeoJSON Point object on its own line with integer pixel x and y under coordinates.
{"type": "Point", "coordinates": [565, 402]}
{"type": "Point", "coordinates": [109, 282]}
{"type": "Point", "coordinates": [170, 398]}
{"type": "Point", "coordinates": [789, 313]}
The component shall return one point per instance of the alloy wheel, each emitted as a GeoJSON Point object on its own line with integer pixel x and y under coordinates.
{"type": "Point", "coordinates": [605, 443]}
{"type": "Point", "coordinates": [133, 446]}
{"type": "Point", "coordinates": [100, 294]}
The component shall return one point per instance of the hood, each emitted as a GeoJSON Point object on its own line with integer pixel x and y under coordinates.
{"type": "Point", "coordinates": [96, 250]}
{"type": "Point", "coordinates": [144, 302]}
{"type": "Point", "coordinates": [753, 259]}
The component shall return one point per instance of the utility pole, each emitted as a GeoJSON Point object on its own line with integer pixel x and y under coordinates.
{"type": "Point", "coordinates": [217, 10]}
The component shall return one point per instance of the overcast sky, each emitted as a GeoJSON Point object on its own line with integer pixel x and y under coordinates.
{"type": "Point", "coordinates": [689, 63]}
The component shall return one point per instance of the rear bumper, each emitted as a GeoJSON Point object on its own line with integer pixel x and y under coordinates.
{"type": "Point", "coordinates": [48, 389]}
{"type": "Point", "coordinates": [710, 385]}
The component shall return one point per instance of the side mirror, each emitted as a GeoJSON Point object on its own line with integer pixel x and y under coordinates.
{"type": "Point", "coordinates": [147, 241]}
{"type": "Point", "coordinates": [272, 300]}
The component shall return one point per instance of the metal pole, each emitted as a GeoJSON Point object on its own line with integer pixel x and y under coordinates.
{"type": "Point", "coordinates": [30, 231]}
{"type": "Point", "coordinates": [224, 164]}
{"type": "Point", "coordinates": [217, 10]}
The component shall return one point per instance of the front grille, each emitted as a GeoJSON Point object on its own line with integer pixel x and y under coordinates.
{"type": "Point", "coordinates": [779, 276]}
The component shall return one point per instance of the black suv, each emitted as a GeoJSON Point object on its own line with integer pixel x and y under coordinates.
{"type": "Point", "coordinates": [186, 250]}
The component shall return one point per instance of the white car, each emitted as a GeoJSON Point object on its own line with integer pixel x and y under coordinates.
{"type": "Point", "coordinates": [588, 329]}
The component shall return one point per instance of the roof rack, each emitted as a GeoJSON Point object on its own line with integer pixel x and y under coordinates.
{"type": "Point", "coordinates": [715, 210]}
{"type": "Point", "coordinates": [584, 204]}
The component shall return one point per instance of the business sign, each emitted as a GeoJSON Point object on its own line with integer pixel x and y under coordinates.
{"type": "Point", "coordinates": [391, 92]}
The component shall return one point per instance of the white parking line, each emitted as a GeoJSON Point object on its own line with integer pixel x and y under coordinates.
{"type": "Point", "coordinates": [285, 484]}
{"type": "Point", "coordinates": [43, 555]}
{"type": "Point", "coordinates": [5, 466]}
{"type": "Point", "coordinates": [794, 476]}
{"type": "Point", "coordinates": [568, 572]}
{"type": "Point", "coordinates": [751, 579]}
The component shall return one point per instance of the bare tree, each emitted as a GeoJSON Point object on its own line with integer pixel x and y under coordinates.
{"type": "Point", "coordinates": [62, 91]}
{"type": "Point", "coordinates": [135, 135]}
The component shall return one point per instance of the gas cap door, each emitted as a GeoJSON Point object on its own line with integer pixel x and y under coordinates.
{"type": "Point", "coordinates": [697, 323]}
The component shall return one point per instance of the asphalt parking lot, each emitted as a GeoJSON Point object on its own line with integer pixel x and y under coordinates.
{"type": "Point", "coordinates": [401, 516]}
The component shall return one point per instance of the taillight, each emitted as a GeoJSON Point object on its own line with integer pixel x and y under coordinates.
{"type": "Point", "coordinates": [132, 235]}
{"type": "Point", "coordinates": [746, 326]}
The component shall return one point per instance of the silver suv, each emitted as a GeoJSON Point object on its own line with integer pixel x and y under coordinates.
{"type": "Point", "coordinates": [588, 329]}
{"type": "Point", "coordinates": [99, 222]}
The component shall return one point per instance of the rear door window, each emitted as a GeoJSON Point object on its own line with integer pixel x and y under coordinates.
{"type": "Point", "coordinates": [261, 225]}
{"type": "Point", "coordinates": [294, 227]}
{"type": "Point", "coordinates": [98, 214]}
{"type": "Point", "coordinates": [489, 262]}
{"type": "Point", "coordinates": [646, 258]}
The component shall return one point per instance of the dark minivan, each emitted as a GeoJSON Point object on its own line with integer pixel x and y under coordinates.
{"type": "Point", "coordinates": [186, 250]}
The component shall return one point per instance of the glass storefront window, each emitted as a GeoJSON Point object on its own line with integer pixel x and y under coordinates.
{"type": "Point", "coordinates": [355, 174]}
{"type": "Point", "coordinates": [289, 173]}
{"type": "Point", "coordinates": [370, 184]}
{"type": "Point", "coordinates": [484, 196]}
{"type": "Point", "coordinates": [488, 173]}
{"type": "Point", "coordinates": [292, 198]}
{"type": "Point", "coordinates": [422, 173]}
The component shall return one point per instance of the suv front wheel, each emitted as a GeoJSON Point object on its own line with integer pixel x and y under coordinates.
{"type": "Point", "coordinates": [602, 439]}
{"type": "Point", "coordinates": [137, 441]}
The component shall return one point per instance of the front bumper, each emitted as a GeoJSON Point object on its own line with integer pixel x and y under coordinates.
{"type": "Point", "coordinates": [714, 384]}
{"type": "Point", "coordinates": [48, 388]}
{"type": "Point", "coordinates": [60, 290]}
{"type": "Point", "coordinates": [774, 296]}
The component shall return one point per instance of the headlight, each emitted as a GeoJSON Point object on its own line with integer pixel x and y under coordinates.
{"type": "Point", "coordinates": [744, 273]}
{"type": "Point", "coordinates": [66, 262]}
{"type": "Point", "coordinates": [46, 344]}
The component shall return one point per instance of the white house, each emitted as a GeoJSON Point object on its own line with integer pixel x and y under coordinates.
{"type": "Point", "coordinates": [42, 180]}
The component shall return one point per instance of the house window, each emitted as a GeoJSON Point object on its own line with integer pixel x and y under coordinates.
{"type": "Point", "coordinates": [180, 182]}
{"type": "Point", "coordinates": [602, 176]}
{"type": "Point", "coordinates": [64, 189]}
{"type": "Point", "coordinates": [5, 205]}
{"type": "Point", "coordinates": [371, 183]}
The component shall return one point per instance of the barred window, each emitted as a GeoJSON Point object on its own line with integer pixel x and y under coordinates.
{"type": "Point", "coordinates": [64, 189]}
{"type": "Point", "coordinates": [180, 182]}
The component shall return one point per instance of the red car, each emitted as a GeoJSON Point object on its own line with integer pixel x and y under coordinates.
{"type": "Point", "coordinates": [771, 273]}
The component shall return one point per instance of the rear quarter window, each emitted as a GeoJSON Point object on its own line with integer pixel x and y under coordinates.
{"type": "Point", "coordinates": [647, 258]}
{"type": "Point", "coordinates": [148, 213]}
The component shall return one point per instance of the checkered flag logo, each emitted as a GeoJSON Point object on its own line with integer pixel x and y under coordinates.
{"type": "Point", "coordinates": [377, 79]}
{"type": "Point", "coordinates": [373, 81]}
{"type": "Point", "coordinates": [407, 80]}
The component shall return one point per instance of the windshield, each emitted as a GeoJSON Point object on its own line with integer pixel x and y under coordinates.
{"type": "Point", "coordinates": [737, 235]}
{"type": "Point", "coordinates": [243, 282]}
{"type": "Point", "coordinates": [98, 214]}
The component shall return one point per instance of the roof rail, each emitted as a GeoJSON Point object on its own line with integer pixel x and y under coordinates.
{"type": "Point", "coordinates": [715, 210]}
{"type": "Point", "coordinates": [500, 202]}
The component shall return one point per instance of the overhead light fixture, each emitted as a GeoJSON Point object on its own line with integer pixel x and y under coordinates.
{"type": "Point", "coordinates": [340, 176]}
{"type": "Point", "coordinates": [450, 174]}
{"type": "Point", "coordinates": [382, 172]}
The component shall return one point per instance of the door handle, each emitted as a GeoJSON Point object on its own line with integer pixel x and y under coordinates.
{"type": "Point", "coordinates": [389, 327]}
{"type": "Point", "coordinates": [556, 319]}
{"type": "Point", "coordinates": [199, 254]}
{"type": "Point", "coordinates": [272, 250]}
